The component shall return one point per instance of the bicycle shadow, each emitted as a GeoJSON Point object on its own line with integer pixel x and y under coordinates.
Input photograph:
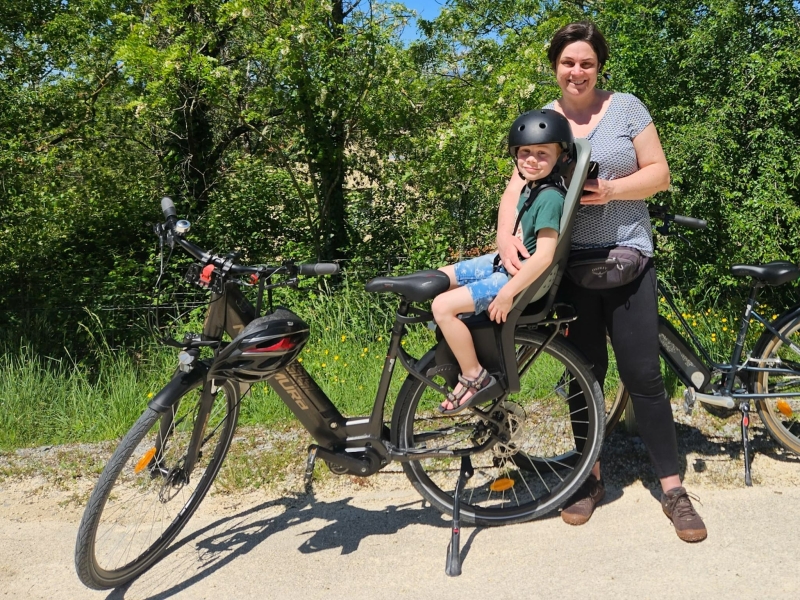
{"type": "Point", "coordinates": [714, 459]}
{"type": "Point", "coordinates": [205, 551]}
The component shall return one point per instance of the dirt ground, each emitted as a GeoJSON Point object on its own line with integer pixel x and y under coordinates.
{"type": "Point", "coordinates": [358, 538]}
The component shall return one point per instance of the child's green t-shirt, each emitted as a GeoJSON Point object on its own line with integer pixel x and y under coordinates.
{"type": "Point", "coordinates": [544, 213]}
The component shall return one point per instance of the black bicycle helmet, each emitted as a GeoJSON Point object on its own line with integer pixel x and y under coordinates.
{"type": "Point", "coordinates": [543, 126]}
{"type": "Point", "coordinates": [265, 346]}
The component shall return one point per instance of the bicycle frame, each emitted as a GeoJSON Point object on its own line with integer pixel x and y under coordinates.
{"type": "Point", "coordinates": [730, 370]}
{"type": "Point", "coordinates": [359, 445]}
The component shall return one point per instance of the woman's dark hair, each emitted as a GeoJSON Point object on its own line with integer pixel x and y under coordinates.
{"type": "Point", "coordinates": [582, 31]}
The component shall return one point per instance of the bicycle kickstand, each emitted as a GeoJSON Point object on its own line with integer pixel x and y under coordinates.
{"type": "Point", "coordinates": [745, 408]}
{"type": "Point", "coordinates": [453, 567]}
{"type": "Point", "coordinates": [312, 458]}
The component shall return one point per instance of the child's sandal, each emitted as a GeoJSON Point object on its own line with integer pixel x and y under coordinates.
{"type": "Point", "coordinates": [482, 385]}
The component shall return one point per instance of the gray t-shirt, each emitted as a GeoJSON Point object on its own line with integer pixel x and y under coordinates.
{"type": "Point", "coordinates": [619, 222]}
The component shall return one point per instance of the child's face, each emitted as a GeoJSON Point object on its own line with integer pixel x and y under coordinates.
{"type": "Point", "coordinates": [536, 162]}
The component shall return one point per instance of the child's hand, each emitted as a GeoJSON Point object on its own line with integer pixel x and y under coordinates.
{"type": "Point", "coordinates": [500, 307]}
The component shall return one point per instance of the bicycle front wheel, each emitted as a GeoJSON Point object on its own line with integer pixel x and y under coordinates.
{"type": "Point", "coordinates": [144, 496]}
{"type": "Point", "coordinates": [529, 456]}
{"type": "Point", "coordinates": [781, 415]}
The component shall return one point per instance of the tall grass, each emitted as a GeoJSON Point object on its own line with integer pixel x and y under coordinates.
{"type": "Point", "coordinates": [50, 401]}
{"type": "Point", "coordinates": [47, 401]}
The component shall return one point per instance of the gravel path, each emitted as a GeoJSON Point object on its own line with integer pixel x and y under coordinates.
{"type": "Point", "coordinates": [361, 538]}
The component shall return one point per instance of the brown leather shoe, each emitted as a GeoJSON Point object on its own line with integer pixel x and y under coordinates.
{"type": "Point", "coordinates": [581, 505]}
{"type": "Point", "coordinates": [678, 507]}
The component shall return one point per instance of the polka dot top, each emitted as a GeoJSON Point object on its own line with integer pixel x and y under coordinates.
{"type": "Point", "coordinates": [619, 222]}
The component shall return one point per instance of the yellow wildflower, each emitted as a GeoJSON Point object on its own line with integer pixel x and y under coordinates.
{"type": "Point", "coordinates": [336, 357]}
{"type": "Point", "coordinates": [724, 320]}
{"type": "Point", "coordinates": [344, 337]}
{"type": "Point", "coordinates": [323, 365]}
{"type": "Point", "coordinates": [300, 359]}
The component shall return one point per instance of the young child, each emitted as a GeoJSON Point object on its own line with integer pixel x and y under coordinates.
{"type": "Point", "coordinates": [540, 142]}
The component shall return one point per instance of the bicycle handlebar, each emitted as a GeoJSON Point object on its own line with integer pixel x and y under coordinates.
{"type": "Point", "coordinates": [689, 222]}
{"type": "Point", "coordinates": [660, 212]}
{"type": "Point", "coordinates": [168, 208]}
{"type": "Point", "coordinates": [318, 269]}
{"type": "Point", "coordinates": [171, 215]}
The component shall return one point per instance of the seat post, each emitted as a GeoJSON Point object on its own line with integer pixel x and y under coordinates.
{"type": "Point", "coordinates": [739, 345]}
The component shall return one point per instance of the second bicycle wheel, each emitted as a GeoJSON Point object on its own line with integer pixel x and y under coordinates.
{"type": "Point", "coordinates": [145, 496]}
{"type": "Point", "coordinates": [781, 415]}
{"type": "Point", "coordinates": [529, 456]}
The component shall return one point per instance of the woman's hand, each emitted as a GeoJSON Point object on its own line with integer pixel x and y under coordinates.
{"type": "Point", "coordinates": [510, 247]}
{"type": "Point", "coordinates": [601, 191]}
{"type": "Point", "coordinates": [500, 307]}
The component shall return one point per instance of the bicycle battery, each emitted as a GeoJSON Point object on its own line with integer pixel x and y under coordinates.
{"type": "Point", "coordinates": [681, 358]}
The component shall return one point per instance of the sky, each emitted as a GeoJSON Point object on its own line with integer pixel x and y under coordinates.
{"type": "Point", "coordinates": [427, 9]}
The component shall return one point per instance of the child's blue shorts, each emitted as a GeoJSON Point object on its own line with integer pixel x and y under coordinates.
{"type": "Point", "coordinates": [479, 277]}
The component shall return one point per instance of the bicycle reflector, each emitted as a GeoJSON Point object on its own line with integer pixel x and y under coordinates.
{"type": "Point", "coordinates": [784, 407]}
{"type": "Point", "coordinates": [501, 485]}
{"type": "Point", "coordinates": [145, 460]}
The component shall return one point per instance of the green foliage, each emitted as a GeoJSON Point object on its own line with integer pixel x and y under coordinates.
{"type": "Point", "coordinates": [308, 130]}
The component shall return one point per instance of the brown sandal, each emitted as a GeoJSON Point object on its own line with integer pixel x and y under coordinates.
{"type": "Point", "coordinates": [482, 385]}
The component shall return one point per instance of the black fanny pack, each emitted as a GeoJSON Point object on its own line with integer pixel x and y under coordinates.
{"type": "Point", "coordinates": [604, 268]}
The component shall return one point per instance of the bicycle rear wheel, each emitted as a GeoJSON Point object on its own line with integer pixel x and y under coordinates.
{"type": "Point", "coordinates": [781, 416]}
{"type": "Point", "coordinates": [540, 463]}
{"type": "Point", "coordinates": [144, 497]}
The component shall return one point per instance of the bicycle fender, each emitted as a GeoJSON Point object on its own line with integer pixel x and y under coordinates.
{"type": "Point", "coordinates": [177, 386]}
{"type": "Point", "coordinates": [785, 317]}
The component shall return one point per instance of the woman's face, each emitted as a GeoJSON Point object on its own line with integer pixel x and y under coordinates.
{"type": "Point", "coordinates": [577, 69]}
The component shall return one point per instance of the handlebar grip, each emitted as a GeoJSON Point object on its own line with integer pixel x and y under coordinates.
{"type": "Point", "coordinates": [690, 222]}
{"type": "Point", "coordinates": [168, 208]}
{"type": "Point", "coordinates": [318, 269]}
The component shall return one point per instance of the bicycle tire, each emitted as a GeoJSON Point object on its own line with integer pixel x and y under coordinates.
{"type": "Point", "coordinates": [618, 407]}
{"type": "Point", "coordinates": [781, 416]}
{"type": "Point", "coordinates": [137, 487]}
{"type": "Point", "coordinates": [540, 463]}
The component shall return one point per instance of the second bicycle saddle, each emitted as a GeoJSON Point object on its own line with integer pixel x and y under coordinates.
{"type": "Point", "coordinates": [776, 272]}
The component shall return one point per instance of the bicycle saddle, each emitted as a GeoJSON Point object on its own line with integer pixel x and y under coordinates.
{"type": "Point", "coordinates": [416, 287]}
{"type": "Point", "coordinates": [776, 272]}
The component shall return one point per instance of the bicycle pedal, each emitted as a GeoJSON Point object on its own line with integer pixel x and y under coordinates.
{"type": "Point", "coordinates": [689, 399]}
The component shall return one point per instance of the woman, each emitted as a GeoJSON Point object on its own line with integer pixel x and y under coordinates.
{"type": "Point", "coordinates": [613, 213]}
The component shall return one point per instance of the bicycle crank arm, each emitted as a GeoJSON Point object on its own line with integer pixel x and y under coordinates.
{"type": "Point", "coordinates": [356, 466]}
{"type": "Point", "coordinates": [691, 395]}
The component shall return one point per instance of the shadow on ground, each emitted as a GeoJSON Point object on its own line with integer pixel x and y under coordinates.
{"type": "Point", "coordinates": [331, 525]}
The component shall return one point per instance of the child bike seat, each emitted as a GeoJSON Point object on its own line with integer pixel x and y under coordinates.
{"type": "Point", "coordinates": [776, 272]}
{"type": "Point", "coordinates": [416, 287]}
